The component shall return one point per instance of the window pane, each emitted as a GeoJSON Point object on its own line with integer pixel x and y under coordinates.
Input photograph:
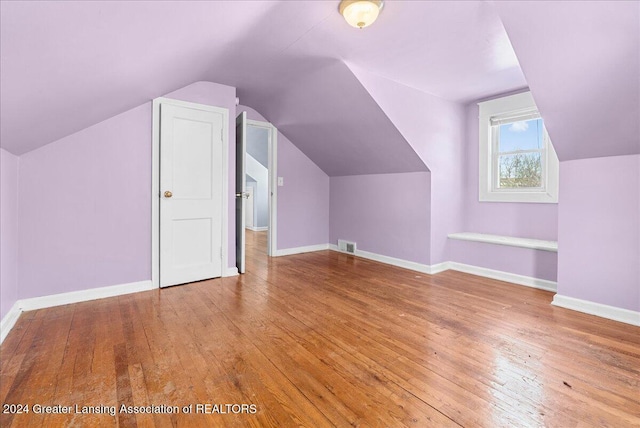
{"type": "Point", "coordinates": [520, 170]}
{"type": "Point", "coordinates": [524, 135]}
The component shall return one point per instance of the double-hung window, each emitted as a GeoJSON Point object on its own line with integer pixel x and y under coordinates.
{"type": "Point", "coordinates": [517, 160]}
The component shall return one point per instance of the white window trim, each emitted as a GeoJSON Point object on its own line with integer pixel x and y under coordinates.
{"type": "Point", "coordinates": [510, 105]}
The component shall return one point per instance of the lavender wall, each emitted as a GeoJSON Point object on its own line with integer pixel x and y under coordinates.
{"type": "Point", "coordinates": [214, 94]}
{"type": "Point", "coordinates": [85, 202]}
{"type": "Point", "coordinates": [252, 114]}
{"type": "Point", "coordinates": [303, 201]}
{"type": "Point", "coordinates": [8, 231]}
{"type": "Point", "coordinates": [85, 208]}
{"type": "Point", "coordinates": [445, 135]}
{"type": "Point", "coordinates": [599, 234]}
{"type": "Point", "coordinates": [386, 214]}
{"type": "Point", "coordinates": [434, 128]}
{"type": "Point", "coordinates": [525, 220]}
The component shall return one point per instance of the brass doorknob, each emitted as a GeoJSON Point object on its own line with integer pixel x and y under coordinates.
{"type": "Point", "coordinates": [168, 194]}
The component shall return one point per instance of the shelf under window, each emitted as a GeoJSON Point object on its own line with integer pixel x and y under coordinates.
{"type": "Point", "coordinates": [535, 244]}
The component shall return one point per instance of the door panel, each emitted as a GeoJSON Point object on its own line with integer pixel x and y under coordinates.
{"type": "Point", "coordinates": [193, 163]}
{"type": "Point", "coordinates": [241, 183]}
{"type": "Point", "coordinates": [194, 237]}
{"type": "Point", "coordinates": [191, 214]}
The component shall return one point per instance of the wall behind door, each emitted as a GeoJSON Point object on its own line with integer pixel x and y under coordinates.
{"type": "Point", "coordinates": [261, 195]}
{"type": "Point", "coordinates": [85, 202]}
{"type": "Point", "coordinates": [85, 208]}
{"type": "Point", "coordinates": [258, 167]}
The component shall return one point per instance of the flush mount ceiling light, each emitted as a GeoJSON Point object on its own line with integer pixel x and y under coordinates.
{"type": "Point", "coordinates": [360, 13]}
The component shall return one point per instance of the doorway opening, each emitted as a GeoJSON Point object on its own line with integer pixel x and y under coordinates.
{"type": "Point", "coordinates": [256, 191]}
{"type": "Point", "coordinates": [257, 179]}
{"type": "Point", "coordinates": [266, 135]}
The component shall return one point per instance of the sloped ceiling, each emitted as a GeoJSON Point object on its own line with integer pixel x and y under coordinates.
{"type": "Point", "coordinates": [582, 63]}
{"type": "Point", "coordinates": [336, 123]}
{"type": "Point", "coordinates": [68, 65]}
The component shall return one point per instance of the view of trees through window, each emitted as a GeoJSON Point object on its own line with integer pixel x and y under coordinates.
{"type": "Point", "coordinates": [520, 170]}
{"type": "Point", "coordinates": [520, 149]}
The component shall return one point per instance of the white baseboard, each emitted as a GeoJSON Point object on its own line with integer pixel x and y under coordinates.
{"type": "Point", "coordinates": [440, 267]}
{"type": "Point", "coordinates": [605, 311]}
{"type": "Point", "coordinates": [418, 267]}
{"type": "Point", "coordinates": [9, 320]}
{"type": "Point", "coordinates": [300, 250]}
{"type": "Point", "coordinates": [258, 229]}
{"type": "Point", "coordinates": [527, 281]}
{"type": "Point", "coordinates": [231, 271]}
{"type": "Point", "coordinates": [474, 270]}
{"type": "Point", "coordinates": [34, 303]}
{"type": "Point", "coordinates": [83, 295]}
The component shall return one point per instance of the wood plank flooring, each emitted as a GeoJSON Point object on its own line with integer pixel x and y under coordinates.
{"type": "Point", "coordinates": [323, 339]}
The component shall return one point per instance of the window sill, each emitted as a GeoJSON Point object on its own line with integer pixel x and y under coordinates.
{"type": "Point", "coordinates": [519, 197]}
{"type": "Point", "coordinates": [534, 244]}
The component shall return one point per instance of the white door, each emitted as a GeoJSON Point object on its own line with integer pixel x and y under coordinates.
{"type": "Point", "coordinates": [191, 156]}
{"type": "Point", "coordinates": [249, 208]}
{"type": "Point", "coordinates": [241, 184]}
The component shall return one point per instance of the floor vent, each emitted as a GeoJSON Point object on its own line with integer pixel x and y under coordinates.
{"type": "Point", "coordinates": [346, 246]}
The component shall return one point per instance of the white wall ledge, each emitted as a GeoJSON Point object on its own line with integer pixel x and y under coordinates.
{"type": "Point", "coordinates": [534, 244]}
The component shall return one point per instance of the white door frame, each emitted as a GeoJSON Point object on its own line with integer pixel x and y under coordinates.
{"type": "Point", "coordinates": [155, 183]}
{"type": "Point", "coordinates": [273, 183]}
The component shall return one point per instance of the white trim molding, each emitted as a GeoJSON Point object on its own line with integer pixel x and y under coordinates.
{"type": "Point", "coordinates": [52, 300]}
{"type": "Point", "coordinates": [258, 229]}
{"type": "Point", "coordinates": [83, 295]}
{"type": "Point", "coordinates": [527, 281]}
{"type": "Point", "coordinates": [534, 244]}
{"type": "Point", "coordinates": [301, 250]}
{"type": "Point", "coordinates": [598, 309]}
{"type": "Point", "coordinates": [440, 267]}
{"type": "Point", "coordinates": [519, 105]}
{"type": "Point", "coordinates": [9, 320]}
{"type": "Point", "coordinates": [513, 278]}
{"type": "Point", "coordinates": [406, 264]}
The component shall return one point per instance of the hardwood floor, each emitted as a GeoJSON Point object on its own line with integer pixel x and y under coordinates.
{"type": "Point", "coordinates": [324, 339]}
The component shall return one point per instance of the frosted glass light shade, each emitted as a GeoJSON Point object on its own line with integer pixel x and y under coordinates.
{"type": "Point", "coordinates": [360, 13]}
